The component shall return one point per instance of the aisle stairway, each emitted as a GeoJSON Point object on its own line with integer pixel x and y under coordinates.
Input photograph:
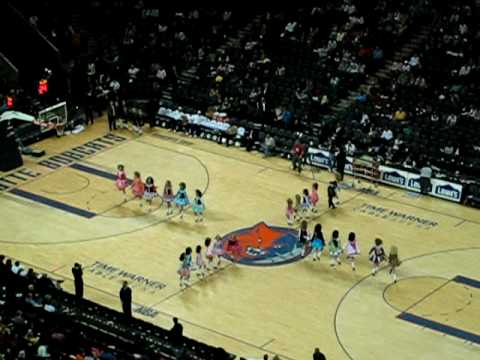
{"type": "Point", "coordinates": [188, 76]}
{"type": "Point", "coordinates": [404, 53]}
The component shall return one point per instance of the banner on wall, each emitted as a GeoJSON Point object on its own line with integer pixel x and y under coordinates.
{"type": "Point", "coordinates": [388, 175]}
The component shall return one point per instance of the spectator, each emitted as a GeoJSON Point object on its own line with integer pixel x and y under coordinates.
{"type": "Point", "coordinates": [269, 145]}
{"type": "Point", "coordinates": [387, 135]}
{"type": "Point", "coordinates": [298, 155]}
{"type": "Point", "coordinates": [16, 268]}
{"type": "Point", "coordinates": [48, 304]}
{"type": "Point", "coordinates": [176, 331]}
{"type": "Point", "coordinates": [42, 351]}
{"type": "Point", "coordinates": [451, 120]}
{"type": "Point", "coordinates": [400, 115]}
{"type": "Point", "coordinates": [126, 299]}
{"type": "Point", "coordinates": [230, 135]}
{"type": "Point", "coordinates": [132, 72]}
{"type": "Point", "coordinates": [78, 280]}
{"type": "Point", "coordinates": [317, 355]}
{"type": "Point", "coordinates": [350, 148]}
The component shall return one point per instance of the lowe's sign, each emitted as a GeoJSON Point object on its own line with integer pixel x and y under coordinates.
{"type": "Point", "coordinates": [447, 191]}
{"type": "Point", "coordinates": [394, 178]}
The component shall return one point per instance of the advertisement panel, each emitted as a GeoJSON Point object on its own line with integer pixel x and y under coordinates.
{"type": "Point", "coordinates": [394, 177]}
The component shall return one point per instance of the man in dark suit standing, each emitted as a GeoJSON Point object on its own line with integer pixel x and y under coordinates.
{"type": "Point", "coordinates": [341, 161]}
{"type": "Point", "coordinates": [78, 280]}
{"type": "Point", "coordinates": [318, 355]}
{"type": "Point", "coordinates": [112, 116]}
{"type": "Point", "coordinates": [126, 299]}
{"type": "Point", "coordinates": [176, 331]}
{"type": "Point", "coordinates": [332, 193]}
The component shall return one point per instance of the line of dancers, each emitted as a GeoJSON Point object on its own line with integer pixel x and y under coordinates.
{"type": "Point", "coordinates": [315, 243]}
{"type": "Point", "coordinates": [203, 264]}
{"type": "Point", "coordinates": [306, 204]}
{"type": "Point", "coordinates": [147, 191]}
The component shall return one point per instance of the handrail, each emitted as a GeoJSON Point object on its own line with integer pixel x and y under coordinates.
{"type": "Point", "coordinates": [9, 63]}
{"type": "Point", "coordinates": [34, 28]}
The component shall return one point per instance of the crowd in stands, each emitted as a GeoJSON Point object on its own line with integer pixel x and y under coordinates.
{"type": "Point", "coordinates": [428, 111]}
{"type": "Point", "coordinates": [285, 70]}
{"type": "Point", "coordinates": [38, 320]}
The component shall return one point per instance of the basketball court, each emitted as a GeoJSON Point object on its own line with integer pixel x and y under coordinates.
{"type": "Point", "coordinates": [64, 208]}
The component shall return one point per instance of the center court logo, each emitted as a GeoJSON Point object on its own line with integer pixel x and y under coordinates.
{"type": "Point", "coordinates": [262, 245]}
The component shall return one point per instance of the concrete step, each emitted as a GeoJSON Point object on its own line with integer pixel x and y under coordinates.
{"type": "Point", "coordinates": [417, 40]}
{"type": "Point", "coordinates": [382, 72]}
{"type": "Point", "coordinates": [365, 88]}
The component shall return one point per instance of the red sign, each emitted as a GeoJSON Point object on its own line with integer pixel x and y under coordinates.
{"type": "Point", "coordinates": [42, 87]}
{"type": "Point", "coordinates": [9, 102]}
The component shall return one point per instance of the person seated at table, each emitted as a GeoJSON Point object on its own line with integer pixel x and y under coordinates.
{"type": "Point", "coordinates": [268, 146]}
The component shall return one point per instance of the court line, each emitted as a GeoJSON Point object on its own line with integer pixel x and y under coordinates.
{"type": "Point", "coordinates": [165, 314]}
{"type": "Point", "coordinates": [403, 279]}
{"type": "Point", "coordinates": [110, 176]}
{"type": "Point", "coordinates": [58, 268]}
{"type": "Point", "coordinates": [467, 281]}
{"type": "Point", "coordinates": [427, 295]}
{"type": "Point", "coordinates": [391, 194]}
{"type": "Point", "coordinates": [58, 205]}
{"type": "Point", "coordinates": [460, 223]}
{"type": "Point", "coordinates": [50, 171]}
{"type": "Point", "coordinates": [162, 220]}
{"type": "Point", "coordinates": [326, 182]}
{"type": "Point", "coordinates": [92, 171]}
{"type": "Point", "coordinates": [439, 327]}
{"type": "Point", "coordinates": [69, 192]}
{"type": "Point", "coordinates": [262, 170]}
{"type": "Point", "coordinates": [267, 343]}
{"type": "Point", "coordinates": [342, 299]}
{"type": "Point", "coordinates": [199, 281]}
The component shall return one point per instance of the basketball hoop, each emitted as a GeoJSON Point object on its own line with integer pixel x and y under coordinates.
{"type": "Point", "coordinates": [60, 128]}
{"type": "Point", "coordinates": [49, 125]}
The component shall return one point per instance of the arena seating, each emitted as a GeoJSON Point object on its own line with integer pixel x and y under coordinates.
{"type": "Point", "coordinates": [274, 73]}
{"type": "Point", "coordinates": [73, 328]}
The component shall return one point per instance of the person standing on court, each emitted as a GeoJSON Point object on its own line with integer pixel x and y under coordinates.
{"type": "Point", "coordinates": [78, 280]}
{"type": "Point", "coordinates": [332, 193]}
{"type": "Point", "coordinates": [298, 154]}
{"type": "Point", "coordinates": [318, 355]}
{"type": "Point", "coordinates": [126, 299]}
{"type": "Point", "coordinates": [341, 159]}
{"type": "Point", "coordinates": [112, 116]}
{"type": "Point", "coordinates": [425, 176]}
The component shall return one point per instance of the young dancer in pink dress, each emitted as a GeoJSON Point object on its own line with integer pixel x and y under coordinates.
{"type": "Point", "coordinates": [122, 181]}
{"type": "Point", "coordinates": [138, 187]}
{"type": "Point", "coordinates": [314, 197]}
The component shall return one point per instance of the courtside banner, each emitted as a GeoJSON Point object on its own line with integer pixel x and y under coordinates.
{"type": "Point", "coordinates": [388, 175]}
{"type": "Point", "coordinates": [321, 158]}
{"type": "Point", "coordinates": [447, 190]}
